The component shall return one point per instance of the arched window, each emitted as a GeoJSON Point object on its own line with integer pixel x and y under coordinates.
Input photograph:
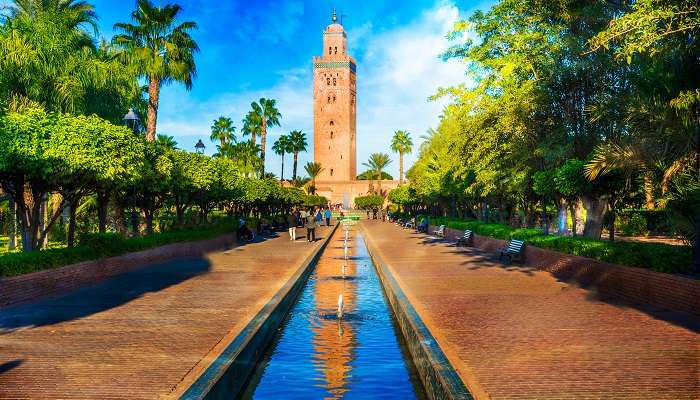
{"type": "Point", "coordinates": [333, 81]}
{"type": "Point", "coordinates": [328, 81]}
{"type": "Point", "coordinates": [330, 50]}
{"type": "Point", "coordinates": [329, 99]}
{"type": "Point", "coordinates": [331, 134]}
{"type": "Point", "coordinates": [336, 50]}
{"type": "Point", "coordinates": [331, 123]}
{"type": "Point", "coordinates": [331, 171]}
{"type": "Point", "coordinates": [341, 156]}
{"type": "Point", "coordinates": [334, 98]}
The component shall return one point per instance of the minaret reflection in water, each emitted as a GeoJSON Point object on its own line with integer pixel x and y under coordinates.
{"type": "Point", "coordinates": [320, 354]}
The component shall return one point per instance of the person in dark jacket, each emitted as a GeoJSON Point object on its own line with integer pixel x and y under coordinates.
{"type": "Point", "coordinates": [292, 225]}
{"type": "Point", "coordinates": [310, 226]}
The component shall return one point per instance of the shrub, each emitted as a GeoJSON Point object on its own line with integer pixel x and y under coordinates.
{"type": "Point", "coordinates": [657, 257]}
{"type": "Point", "coordinates": [96, 246]}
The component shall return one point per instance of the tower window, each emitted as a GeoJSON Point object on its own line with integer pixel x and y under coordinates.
{"type": "Point", "coordinates": [334, 98]}
{"type": "Point", "coordinates": [341, 156]}
{"type": "Point", "coordinates": [328, 81]}
{"type": "Point", "coordinates": [333, 81]}
{"type": "Point", "coordinates": [336, 50]}
{"type": "Point", "coordinates": [331, 171]}
{"type": "Point", "coordinates": [330, 50]}
{"type": "Point", "coordinates": [331, 123]}
{"type": "Point", "coordinates": [331, 134]}
{"type": "Point", "coordinates": [329, 99]}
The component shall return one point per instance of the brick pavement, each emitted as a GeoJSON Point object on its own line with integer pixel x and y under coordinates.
{"type": "Point", "coordinates": [518, 333]}
{"type": "Point", "coordinates": [138, 335]}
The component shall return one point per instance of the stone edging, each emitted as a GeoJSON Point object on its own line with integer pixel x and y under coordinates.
{"type": "Point", "coordinates": [439, 378]}
{"type": "Point", "coordinates": [227, 374]}
{"type": "Point", "coordinates": [631, 284]}
{"type": "Point", "coordinates": [54, 282]}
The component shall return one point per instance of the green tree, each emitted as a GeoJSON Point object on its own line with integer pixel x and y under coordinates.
{"type": "Point", "coordinates": [401, 143]}
{"type": "Point", "coordinates": [313, 169]}
{"type": "Point", "coordinates": [268, 115]}
{"type": "Point", "coordinates": [191, 176]}
{"type": "Point", "coordinates": [223, 130]}
{"type": "Point", "coordinates": [47, 153]}
{"type": "Point", "coordinates": [281, 147]}
{"type": "Point", "coordinates": [298, 144]}
{"type": "Point", "coordinates": [376, 163]}
{"type": "Point", "coordinates": [252, 125]}
{"type": "Point", "coordinates": [167, 142]}
{"type": "Point", "coordinates": [161, 50]}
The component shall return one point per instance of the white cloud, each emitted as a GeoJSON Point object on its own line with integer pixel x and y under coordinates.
{"type": "Point", "coordinates": [397, 72]}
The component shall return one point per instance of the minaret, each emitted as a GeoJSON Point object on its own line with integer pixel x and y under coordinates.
{"type": "Point", "coordinates": [334, 107]}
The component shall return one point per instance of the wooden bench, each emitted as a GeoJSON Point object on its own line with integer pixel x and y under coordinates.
{"type": "Point", "coordinates": [466, 239]}
{"type": "Point", "coordinates": [513, 251]}
{"type": "Point", "coordinates": [440, 232]}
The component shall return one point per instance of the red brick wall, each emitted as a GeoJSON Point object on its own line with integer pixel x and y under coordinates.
{"type": "Point", "coordinates": [38, 285]}
{"type": "Point", "coordinates": [635, 285]}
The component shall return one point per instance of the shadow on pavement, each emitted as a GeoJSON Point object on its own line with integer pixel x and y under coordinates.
{"type": "Point", "coordinates": [10, 365]}
{"type": "Point", "coordinates": [103, 296]}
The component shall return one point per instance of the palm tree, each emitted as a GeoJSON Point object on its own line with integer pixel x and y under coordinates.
{"type": "Point", "coordinates": [401, 143]}
{"type": "Point", "coordinates": [223, 130]}
{"type": "Point", "coordinates": [160, 49]}
{"type": "Point", "coordinates": [74, 13]}
{"type": "Point", "coordinates": [245, 154]}
{"type": "Point", "coordinates": [298, 143]}
{"type": "Point", "coordinates": [376, 163]}
{"type": "Point", "coordinates": [252, 125]}
{"type": "Point", "coordinates": [268, 116]}
{"type": "Point", "coordinates": [314, 169]}
{"type": "Point", "coordinates": [281, 147]}
{"type": "Point", "coordinates": [166, 142]}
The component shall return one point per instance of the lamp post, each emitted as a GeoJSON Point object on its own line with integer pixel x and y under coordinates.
{"type": "Point", "coordinates": [199, 147]}
{"type": "Point", "coordinates": [132, 120]}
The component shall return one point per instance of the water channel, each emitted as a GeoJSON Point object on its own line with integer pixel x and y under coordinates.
{"type": "Point", "coordinates": [318, 355]}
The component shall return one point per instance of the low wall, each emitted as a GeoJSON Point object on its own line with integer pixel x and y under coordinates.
{"type": "Point", "coordinates": [37, 285]}
{"type": "Point", "coordinates": [635, 285]}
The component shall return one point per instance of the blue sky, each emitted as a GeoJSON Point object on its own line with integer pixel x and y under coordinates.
{"type": "Point", "coordinates": [253, 49]}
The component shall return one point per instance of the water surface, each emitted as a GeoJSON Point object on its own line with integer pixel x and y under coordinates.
{"type": "Point", "coordinates": [317, 355]}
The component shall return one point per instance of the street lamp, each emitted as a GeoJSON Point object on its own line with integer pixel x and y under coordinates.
{"type": "Point", "coordinates": [199, 147]}
{"type": "Point", "coordinates": [131, 120]}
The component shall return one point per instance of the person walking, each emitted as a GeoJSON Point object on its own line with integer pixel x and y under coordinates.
{"type": "Point", "coordinates": [310, 227]}
{"type": "Point", "coordinates": [319, 217]}
{"type": "Point", "coordinates": [328, 216]}
{"type": "Point", "coordinates": [292, 224]}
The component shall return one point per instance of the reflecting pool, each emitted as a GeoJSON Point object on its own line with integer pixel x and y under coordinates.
{"type": "Point", "coordinates": [319, 355]}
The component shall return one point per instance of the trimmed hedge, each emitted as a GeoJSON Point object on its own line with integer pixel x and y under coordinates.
{"type": "Point", "coordinates": [657, 257]}
{"type": "Point", "coordinates": [96, 246]}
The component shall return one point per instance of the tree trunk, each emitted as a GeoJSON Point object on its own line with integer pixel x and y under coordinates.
{"type": "Point", "coordinates": [574, 225]}
{"type": "Point", "coordinates": [595, 207]}
{"type": "Point", "coordinates": [263, 141]}
{"type": "Point", "coordinates": [153, 96]}
{"type": "Point", "coordinates": [102, 202]}
{"type": "Point", "coordinates": [544, 216]}
{"type": "Point", "coordinates": [73, 204]}
{"type": "Point", "coordinates": [400, 167]}
{"type": "Point", "coordinates": [12, 230]}
{"type": "Point", "coordinates": [562, 217]}
{"type": "Point", "coordinates": [120, 218]}
{"type": "Point", "coordinates": [294, 170]}
{"type": "Point", "coordinates": [282, 173]}
{"type": "Point", "coordinates": [649, 191]}
{"type": "Point", "coordinates": [180, 211]}
{"type": "Point", "coordinates": [42, 220]}
{"type": "Point", "coordinates": [149, 222]}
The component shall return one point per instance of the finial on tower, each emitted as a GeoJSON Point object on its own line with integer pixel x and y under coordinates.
{"type": "Point", "coordinates": [335, 17]}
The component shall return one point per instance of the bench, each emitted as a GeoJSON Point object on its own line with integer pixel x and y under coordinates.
{"type": "Point", "coordinates": [514, 250]}
{"type": "Point", "coordinates": [440, 232]}
{"type": "Point", "coordinates": [423, 226]}
{"type": "Point", "coordinates": [466, 239]}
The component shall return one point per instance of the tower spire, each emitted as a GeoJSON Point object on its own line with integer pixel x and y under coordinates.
{"type": "Point", "coordinates": [335, 16]}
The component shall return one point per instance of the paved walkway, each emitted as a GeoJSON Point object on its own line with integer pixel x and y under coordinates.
{"type": "Point", "coordinates": [139, 334]}
{"type": "Point", "coordinates": [514, 333]}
